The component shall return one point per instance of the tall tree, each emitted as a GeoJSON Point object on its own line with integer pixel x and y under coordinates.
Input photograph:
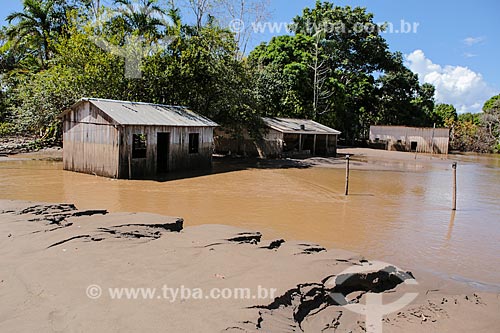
{"type": "Point", "coordinates": [251, 13]}
{"type": "Point", "coordinates": [445, 115]}
{"type": "Point", "coordinates": [36, 24]}
{"type": "Point", "coordinates": [355, 43]}
{"type": "Point", "coordinates": [94, 6]}
{"type": "Point", "coordinates": [491, 119]}
{"type": "Point", "coordinates": [143, 17]}
{"type": "Point", "coordinates": [283, 76]}
{"type": "Point", "coordinates": [321, 75]}
{"type": "Point", "coordinates": [200, 9]}
{"type": "Point", "coordinates": [326, 70]}
{"type": "Point", "coordinates": [492, 105]}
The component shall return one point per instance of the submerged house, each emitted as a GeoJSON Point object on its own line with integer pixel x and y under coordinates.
{"type": "Point", "coordinates": [121, 139]}
{"type": "Point", "coordinates": [411, 139]}
{"type": "Point", "coordinates": [282, 137]}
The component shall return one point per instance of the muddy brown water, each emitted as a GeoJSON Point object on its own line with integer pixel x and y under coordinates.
{"type": "Point", "coordinates": [398, 211]}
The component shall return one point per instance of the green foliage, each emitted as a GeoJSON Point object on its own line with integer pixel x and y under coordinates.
{"type": "Point", "coordinates": [468, 135]}
{"type": "Point", "coordinates": [476, 132]}
{"type": "Point", "coordinates": [144, 19]}
{"type": "Point", "coordinates": [33, 29]}
{"type": "Point", "coordinates": [444, 115]}
{"type": "Point", "coordinates": [402, 101]}
{"type": "Point", "coordinates": [6, 129]}
{"type": "Point", "coordinates": [349, 47]}
{"type": "Point", "coordinates": [335, 68]}
{"type": "Point", "coordinates": [327, 72]}
{"type": "Point", "coordinates": [473, 118]}
{"type": "Point", "coordinates": [41, 98]}
{"type": "Point", "coordinates": [492, 105]}
{"type": "Point", "coordinates": [283, 77]}
{"type": "Point", "coordinates": [490, 120]}
{"type": "Point", "coordinates": [80, 69]}
{"type": "Point", "coordinates": [3, 107]}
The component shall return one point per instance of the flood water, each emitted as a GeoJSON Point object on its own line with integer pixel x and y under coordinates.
{"type": "Point", "coordinates": [398, 212]}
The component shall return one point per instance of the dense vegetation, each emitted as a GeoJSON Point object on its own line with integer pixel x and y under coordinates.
{"type": "Point", "coordinates": [55, 52]}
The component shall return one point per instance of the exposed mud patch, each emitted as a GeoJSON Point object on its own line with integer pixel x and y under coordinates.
{"type": "Point", "coordinates": [288, 311]}
{"type": "Point", "coordinates": [55, 214]}
{"type": "Point", "coordinates": [247, 237]}
{"type": "Point", "coordinates": [150, 231]}
{"type": "Point", "coordinates": [55, 217]}
{"type": "Point", "coordinates": [48, 209]}
{"type": "Point", "coordinates": [177, 226]}
{"type": "Point", "coordinates": [311, 249]}
{"type": "Point", "coordinates": [128, 231]}
{"type": "Point", "coordinates": [274, 244]}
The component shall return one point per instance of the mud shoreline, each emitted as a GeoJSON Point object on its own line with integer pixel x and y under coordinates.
{"type": "Point", "coordinates": [51, 253]}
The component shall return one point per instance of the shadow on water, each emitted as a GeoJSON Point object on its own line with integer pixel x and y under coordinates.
{"type": "Point", "coordinates": [230, 164]}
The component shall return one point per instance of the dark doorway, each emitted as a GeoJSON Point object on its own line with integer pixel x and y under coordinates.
{"type": "Point", "coordinates": [162, 154]}
{"type": "Point", "coordinates": [414, 145]}
{"type": "Point", "coordinates": [321, 145]}
{"type": "Point", "coordinates": [308, 143]}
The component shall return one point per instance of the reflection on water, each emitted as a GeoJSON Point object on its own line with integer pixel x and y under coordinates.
{"type": "Point", "coordinates": [401, 215]}
{"type": "Point", "coordinates": [451, 225]}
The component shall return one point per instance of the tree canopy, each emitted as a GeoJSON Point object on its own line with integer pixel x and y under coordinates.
{"type": "Point", "coordinates": [445, 114]}
{"type": "Point", "coordinates": [335, 67]}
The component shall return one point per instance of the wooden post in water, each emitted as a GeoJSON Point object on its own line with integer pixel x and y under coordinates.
{"type": "Point", "coordinates": [432, 140]}
{"type": "Point", "coordinates": [454, 166]}
{"type": "Point", "coordinates": [129, 167]}
{"type": "Point", "coordinates": [347, 175]}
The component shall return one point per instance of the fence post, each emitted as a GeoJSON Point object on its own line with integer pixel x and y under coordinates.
{"type": "Point", "coordinates": [347, 175]}
{"type": "Point", "coordinates": [454, 166]}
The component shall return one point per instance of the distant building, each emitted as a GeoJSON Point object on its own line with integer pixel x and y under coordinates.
{"type": "Point", "coordinates": [282, 137]}
{"type": "Point", "coordinates": [415, 139]}
{"type": "Point", "coordinates": [120, 139]}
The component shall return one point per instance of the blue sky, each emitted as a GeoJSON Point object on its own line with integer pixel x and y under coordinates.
{"type": "Point", "coordinates": [456, 46]}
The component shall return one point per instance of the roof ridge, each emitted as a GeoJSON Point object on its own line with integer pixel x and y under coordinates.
{"type": "Point", "coordinates": [291, 125]}
{"type": "Point", "coordinates": [298, 119]}
{"type": "Point", "coordinates": [130, 102]}
{"type": "Point", "coordinates": [141, 113]}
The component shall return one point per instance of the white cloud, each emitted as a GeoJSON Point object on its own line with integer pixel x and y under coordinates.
{"type": "Point", "coordinates": [469, 41]}
{"type": "Point", "coordinates": [456, 85]}
{"type": "Point", "coordinates": [470, 55]}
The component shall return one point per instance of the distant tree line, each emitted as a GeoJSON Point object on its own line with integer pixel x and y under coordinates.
{"type": "Point", "coordinates": [52, 54]}
{"type": "Point", "coordinates": [474, 132]}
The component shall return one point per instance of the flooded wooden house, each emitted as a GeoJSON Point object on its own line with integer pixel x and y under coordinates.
{"type": "Point", "coordinates": [131, 140]}
{"type": "Point", "coordinates": [411, 139]}
{"type": "Point", "coordinates": [282, 137]}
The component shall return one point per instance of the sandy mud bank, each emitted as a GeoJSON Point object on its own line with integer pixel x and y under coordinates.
{"type": "Point", "coordinates": [61, 268]}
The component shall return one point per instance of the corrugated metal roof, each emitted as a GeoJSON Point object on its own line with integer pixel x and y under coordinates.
{"type": "Point", "coordinates": [136, 113]}
{"type": "Point", "coordinates": [298, 126]}
{"type": "Point", "coordinates": [403, 126]}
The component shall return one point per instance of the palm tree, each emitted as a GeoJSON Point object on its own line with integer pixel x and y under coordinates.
{"type": "Point", "coordinates": [144, 17]}
{"type": "Point", "coordinates": [35, 26]}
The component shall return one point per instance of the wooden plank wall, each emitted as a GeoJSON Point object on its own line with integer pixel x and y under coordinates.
{"type": "Point", "coordinates": [90, 142]}
{"type": "Point", "coordinates": [179, 157]}
{"type": "Point", "coordinates": [271, 144]}
{"type": "Point", "coordinates": [429, 140]}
